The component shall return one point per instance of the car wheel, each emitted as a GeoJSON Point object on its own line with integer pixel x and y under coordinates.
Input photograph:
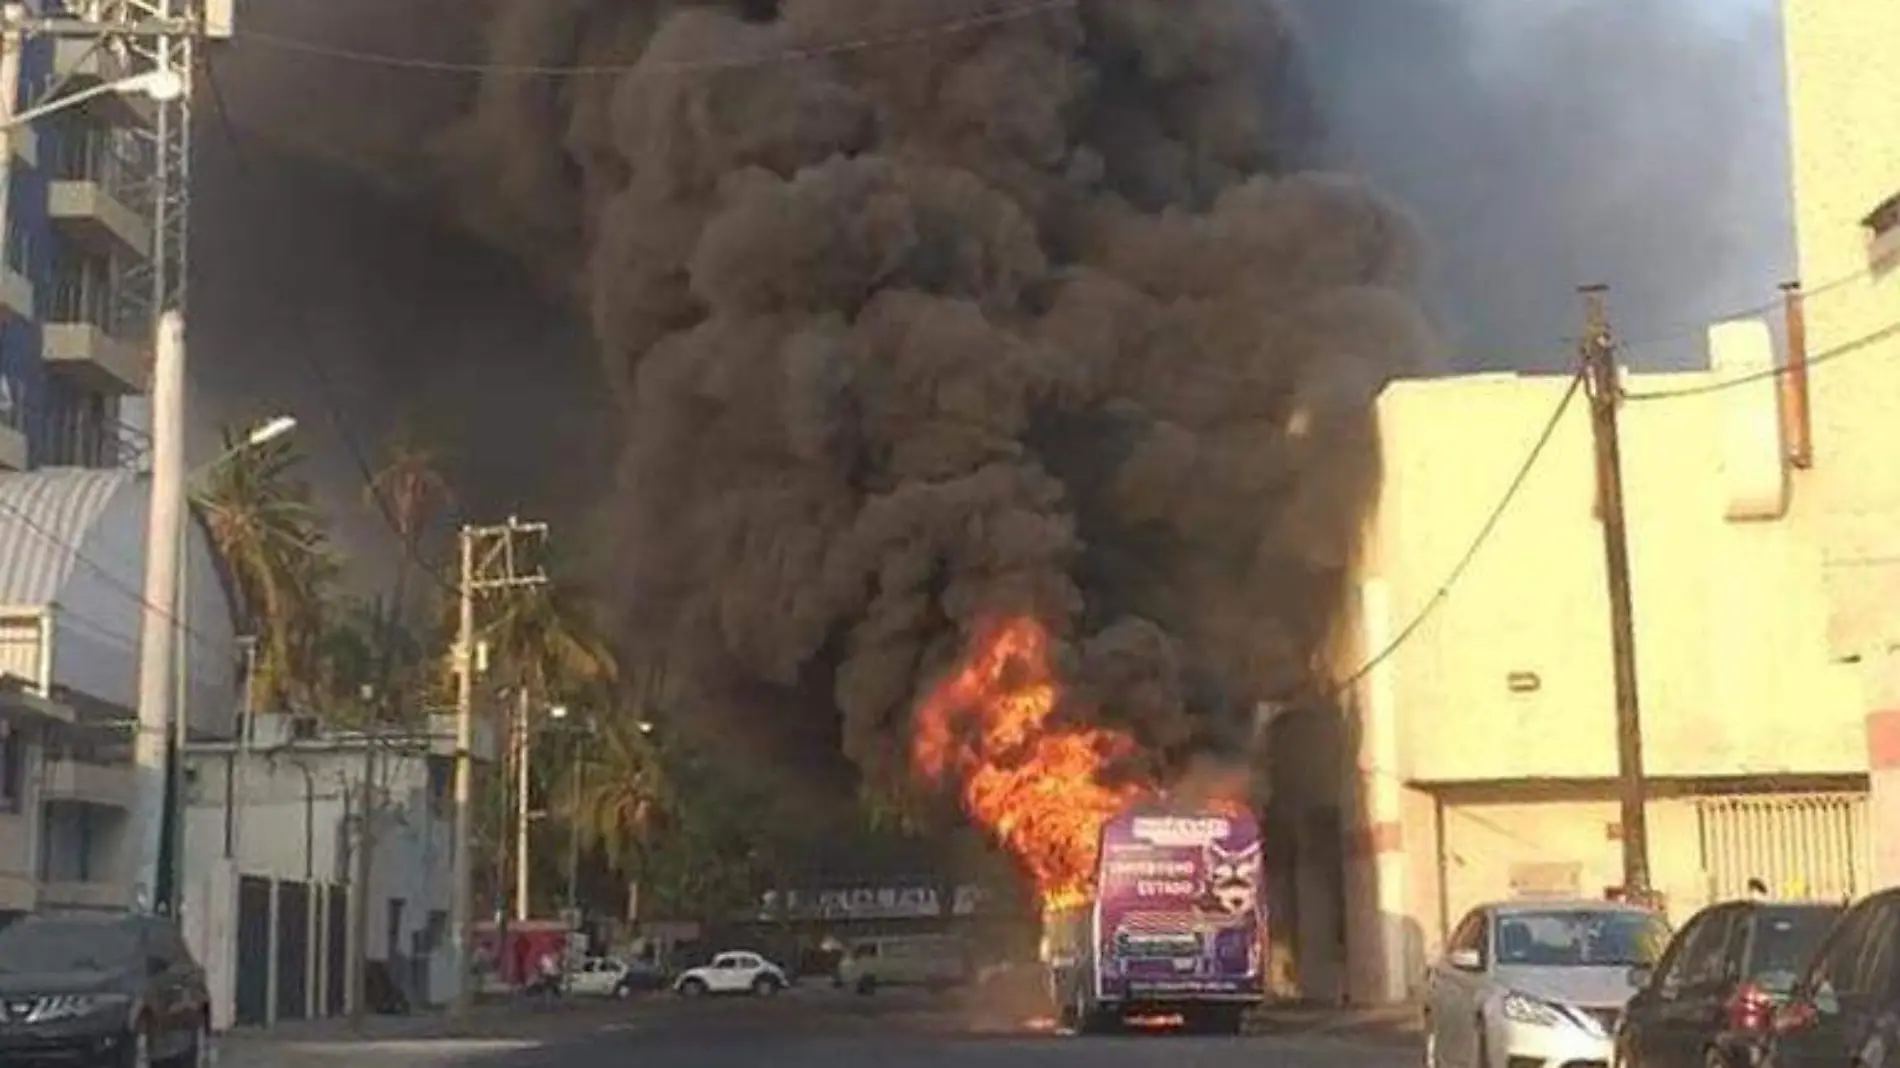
{"type": "Point", "coordinates": [867, 985]}
{"type": "Point", "coordinates": [137, 1051]}
{"type": "Point", "coordinates": [199, 1053]}
{"type": "Point", "coordinates": [692, 988]}
{"type": "Point", "coordinates": [764, 986]}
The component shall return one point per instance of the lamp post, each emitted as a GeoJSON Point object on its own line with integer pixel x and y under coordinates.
{"type": "Point", "coordinates": [169, 876]}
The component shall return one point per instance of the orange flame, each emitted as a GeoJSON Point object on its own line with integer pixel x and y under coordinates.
{"type": "Point", "coordinates": [1036, 787]}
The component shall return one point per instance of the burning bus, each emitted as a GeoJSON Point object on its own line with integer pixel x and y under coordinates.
{"type": "Point", "coordinates": [1174, 926]}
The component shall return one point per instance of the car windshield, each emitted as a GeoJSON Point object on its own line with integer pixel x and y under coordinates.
{"type": "Point", "coordinates": [1784, 939]}
{"type": "Point", "coordinates": [67, 946]}
{"type": "Point", "coordinates": [1580, 939]}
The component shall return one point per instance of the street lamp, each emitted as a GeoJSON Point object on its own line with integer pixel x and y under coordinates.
{"type": "Point", "coordinates": [171, 865]}
{"type": "Point", "coordinates": [158, 86]}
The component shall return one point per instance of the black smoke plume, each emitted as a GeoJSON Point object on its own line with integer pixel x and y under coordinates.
{"type": "Point", "coordinates": [998, 313]}
{"type": "Point", "coordinates": [1035, 314]}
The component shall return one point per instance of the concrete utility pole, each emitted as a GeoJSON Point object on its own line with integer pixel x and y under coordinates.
{"type": "Point", "coordinates": [153, 752]}
{"type": "Point", "coordinates": [359, 883]}
{"type": "Point", "coordinates": [491, 561]}
{"type": "Point", "coordinates": [1599, 361]}
{"type": "Point", "coordinates": [524, 808]}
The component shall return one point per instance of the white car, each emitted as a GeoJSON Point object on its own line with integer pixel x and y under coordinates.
{"type": "Point", "coordinates": [1536, 984]}
{"type": "Point", "coordinates": [733, 973]}
{"type": "Point", "coordinates": [596, 977]}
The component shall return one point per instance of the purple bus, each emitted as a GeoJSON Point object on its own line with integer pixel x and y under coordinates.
{"type": "Point", "coordinates": [1177, 926]}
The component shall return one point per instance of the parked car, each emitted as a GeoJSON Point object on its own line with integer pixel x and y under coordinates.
{"type": "Point", "coordinates": [108, 990]}
{"type": "Point", "coordinates": [639, 976]}
{"type": "Point", "coordinates": [1845, 1008]}
{"type": "Point", "coordinates": [1536, 981]}
{"type": "Point", "coordinates": [1711, 998]}
{"type": "Point", "coordinates": [733, 973]}
{"type": "Point", "coordinates": [595, 977]}
{"type": "Point", "coordinates": [936, 962]}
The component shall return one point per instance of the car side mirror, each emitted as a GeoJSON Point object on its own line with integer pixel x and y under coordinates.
{"type": "Point", "coordinates": [1639, 976]}
{"type": "Point", "coordinates": [1465, 960]}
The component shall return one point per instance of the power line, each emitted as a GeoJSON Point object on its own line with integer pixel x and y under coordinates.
{"type": "Point", "coordinates": [1828, 355]}
{"type": "Point", "coordinates": [1485, 531]}
{"type": "Point", "coordinates": [667, 68]}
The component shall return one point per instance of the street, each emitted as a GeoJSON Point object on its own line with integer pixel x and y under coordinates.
{"type": "Point", "coordinates": [805, 1028]}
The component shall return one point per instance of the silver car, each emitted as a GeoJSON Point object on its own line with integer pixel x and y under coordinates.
{"type": "Point", "coordinates": [1536, 984]}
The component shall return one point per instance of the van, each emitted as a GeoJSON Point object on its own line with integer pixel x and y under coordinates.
{"type": "Point", "coordinates": [936, 962]}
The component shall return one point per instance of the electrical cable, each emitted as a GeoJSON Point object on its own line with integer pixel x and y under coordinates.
{"type": "Point", "coordinates": [1489, 527]}
{"type": "Point", "coordinates": [663, 68]}
{"type": "Point", "coordinates": [1827, 355]}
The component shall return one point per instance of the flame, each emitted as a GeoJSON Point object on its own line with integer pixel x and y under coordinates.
{"type": "Point", "coordinates": [1036, 787]}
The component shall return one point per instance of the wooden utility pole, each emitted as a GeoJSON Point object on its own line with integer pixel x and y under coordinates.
{"type": "Point", "coordinates": [1599, 362]}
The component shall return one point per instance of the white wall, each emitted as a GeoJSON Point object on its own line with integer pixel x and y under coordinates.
{"type": "Point", "coordinates": [273, 793]}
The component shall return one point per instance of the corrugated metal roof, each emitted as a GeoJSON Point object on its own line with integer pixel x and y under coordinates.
{"type": "Point", "coordinates": [45, 516]}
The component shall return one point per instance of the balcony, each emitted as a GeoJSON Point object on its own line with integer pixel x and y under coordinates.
{"type": "Point", "coordinates": [97, 195]}
{"type": "Point", "coordinates": [85, 896]}
{"type": "Point", "coordinates": [90, 61]}
{"type": "Point", "coordinates": [109, 785]}
{"type": "Point", "coordinates": [81, 345]}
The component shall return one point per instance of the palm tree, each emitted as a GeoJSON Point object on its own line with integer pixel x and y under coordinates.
{"type": "Point", "coordinates": [408, 491]}
{"type": "Point", "coordinates": [265, 523]}
{"type": "Point", "coordinates": [617, 793]}
{"type": "Point", "coordinates": [551, 639]}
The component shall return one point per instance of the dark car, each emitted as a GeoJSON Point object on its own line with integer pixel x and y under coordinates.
{"type": "Point", "coordinates": [1845, 1009]}
{"type": "Point", "coordinates": [1711, 999]}
{"type": "Point", "coordinates": [117, 991]}
{"type": "Point", "coordinates": [640, 977]}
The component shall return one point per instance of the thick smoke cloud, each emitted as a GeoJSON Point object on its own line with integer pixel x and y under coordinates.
{"type": "Point", "coordinates": [1040, 316]}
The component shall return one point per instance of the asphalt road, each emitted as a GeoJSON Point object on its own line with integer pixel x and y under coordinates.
{"type": "Point", "coordinates": [797, 1031]}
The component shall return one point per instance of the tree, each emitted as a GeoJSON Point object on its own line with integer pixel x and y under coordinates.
{"type": "Point", "coordinates": [265, 523]}
{"type": "Point", "coordinates": [408, 491]}
{"type": "Point", "coordinates": [549, 636]}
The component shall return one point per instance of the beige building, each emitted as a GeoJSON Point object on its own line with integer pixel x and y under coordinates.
{"type": "Point", "coordinates": [1478, 761]}
{"type": "Point", "coordinates": [1844, 105]}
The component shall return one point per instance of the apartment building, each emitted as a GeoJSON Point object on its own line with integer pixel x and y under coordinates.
{"type": "Point", "coordinates": [75, 328]}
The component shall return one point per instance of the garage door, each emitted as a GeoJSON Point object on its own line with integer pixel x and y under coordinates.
{"type": "Point", "coordinates": [1810, 846]}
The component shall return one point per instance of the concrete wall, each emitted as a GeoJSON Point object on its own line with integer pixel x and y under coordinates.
{"type": "Point", "coordinates": [1844, 110]}
{"type": "Point", "coordinates": [1731, 617]}
{"type": "Point", "coordinates": [274, 797]}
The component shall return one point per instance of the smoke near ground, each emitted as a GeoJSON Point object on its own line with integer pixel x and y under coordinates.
{"type": "Point", "coordinates": [1034, 316]}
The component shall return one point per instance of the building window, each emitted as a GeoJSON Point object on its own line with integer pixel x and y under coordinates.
{"type": "Point", "coordinates": [12, 769]}
{"type": "Point", "coordinates": [1883, 234]}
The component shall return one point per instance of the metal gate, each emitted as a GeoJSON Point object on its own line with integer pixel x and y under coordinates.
{"type": "Point", "coordinates": [1803, 846]}
{"type": "Point", "coordinates": [293, 950]}
{"type": "Point", "coordinates": [253, 951]}
{"type": "Point", "coordinates": [336, 970]}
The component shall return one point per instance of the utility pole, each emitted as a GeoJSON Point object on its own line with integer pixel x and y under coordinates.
{"type": "Point", "coordinates": [524, 742]}
{"type": "Point", "coordinates": [154, 749]}
{"type": "Point", "coordinates": [493, 559]}
{"type": "Point", "coordinates": [1599, 361]}
{"type": "Point", "coordinates": [358, 971]}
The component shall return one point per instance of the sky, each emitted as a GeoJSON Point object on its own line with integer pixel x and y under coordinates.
{"type": "Point", "coordinates": [1541, 144]}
